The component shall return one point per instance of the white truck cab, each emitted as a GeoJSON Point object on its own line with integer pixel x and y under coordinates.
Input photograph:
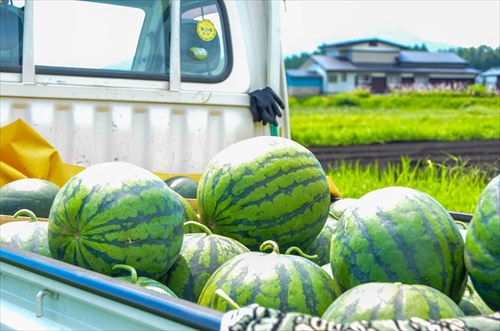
{"type": "Point", "coordinates": [162, 84]}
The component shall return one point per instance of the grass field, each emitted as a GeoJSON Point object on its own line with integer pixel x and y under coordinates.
{"type": "Point", "coordinates": [335, 126]}
{"type": "Point", "coordinates": [456, 186]}
{"type": "Point", "coordinates": [430, 115]}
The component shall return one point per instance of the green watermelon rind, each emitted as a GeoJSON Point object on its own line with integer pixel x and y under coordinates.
{"type": "Point", "coordinates": [391, 301]}
{"type": "Point", "coordinates": [34, 194]}
{"type": "Point", "coordinates": [482, 248]}
{"type": "Point", "coordinates": [264, 188]}
{"type": "Point", "coordinates": [201, 255]}
{"type": "Point", "coordinates": [375, 244]}
{"type": "Point", "coordinates": [26, 235]}
{"type": "Point", "coordinates": [186, 186]}
{"type": "Point", "coordinates": [117, 213]}
{"type": "Point", "coordinates": [288, 283]}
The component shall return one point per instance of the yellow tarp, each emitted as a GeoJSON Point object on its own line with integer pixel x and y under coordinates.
{"type": "Point", "coordinates": [24, 153]}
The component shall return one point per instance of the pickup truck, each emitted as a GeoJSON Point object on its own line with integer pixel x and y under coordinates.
{"type": "Point", "coordinates": [162, 84]}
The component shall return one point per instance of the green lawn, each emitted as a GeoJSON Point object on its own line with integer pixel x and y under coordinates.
{"type": "Point", "coordinates": [360, 118]}
{"type": "Point", "coordinates": [333, 126]}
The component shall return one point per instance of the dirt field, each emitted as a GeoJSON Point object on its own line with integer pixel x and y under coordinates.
{"type": "Point", "coordinates": [476, 152]}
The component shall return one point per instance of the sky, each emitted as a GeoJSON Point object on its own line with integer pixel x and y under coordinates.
{"type": "Point", "coordinates": [307, 24]}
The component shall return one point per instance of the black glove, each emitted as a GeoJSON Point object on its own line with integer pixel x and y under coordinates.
{"type": "Point", "coordinates": [263, 106]}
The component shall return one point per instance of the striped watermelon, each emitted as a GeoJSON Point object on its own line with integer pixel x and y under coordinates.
{"type": "Point", "coordinates": [200, 256]}
{"type": "Point", "coordinates": [34, 194]}
{"type": "Point", "coordinates": [398, 234]}
{"type": "Point", "coordinates": [472, 304]}
{"type": "Point", "coordinates": [184, 185]}
{"type": "Point", "coordinates": [145, 282]}
{"type": "Point", "coordinates": [28, 235]}
{"type": "Point", "coordinates": [264, 188]}
{"type": "Point", "coordinates": [117, 213]}
{"type": "Point", "coordinates": [288, 283]}
{"type": "Point", "coordinates": [190, 216]}
{"type": "Point", "coordinates": [391, 301]}
{"type": "Point", "coordinates": [338, 207]}
{"type": "Point", "coordinates": [482, 245]}
{"type": "Point", "coordinates": [320, 246]}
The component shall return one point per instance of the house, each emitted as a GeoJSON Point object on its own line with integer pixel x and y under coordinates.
{"type": "Point", "coordinates": [490, 78]}
{"type": "Point", "coordinates": [377, 64]}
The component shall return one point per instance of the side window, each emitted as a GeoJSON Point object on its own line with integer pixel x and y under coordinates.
{"type": "Point", "coordinates": [11, 34]}
{"type": "Point", "coordinates": [87, 35]}
{"type": "Point", "coordinates": [130, 39]}
{"type": "Point", "coordinates": [203, 44]}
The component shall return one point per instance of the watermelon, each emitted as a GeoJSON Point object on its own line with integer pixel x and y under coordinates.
{"type": "Point", "coordinates": [28, 235]}
{"type": "Point", "coordinates": [482, 245]}
{"type": "Point", "coordinates": [184, 185]}
{"type": "Point", "coordinates": [338, 207]}
{"type": "Point", "coordinates": [398, 234]}
{"type": "Point", "coordinates": [472, 304]}
{"type": "Point", "coordinates": [33, 194]}
{"type": "Point", "coordinates": [190, 215]}
{"type": "Point", "coordinates": [320, 247]}
{"type": "Point", "coordinates": [117, 213]}
{"type": "Point", "coordinates": [289, 283]}
{"type": "Point", "coordinates": [145, 282]}
{"type": "Point", "coordinates": [200, 256]}
{"type": "Point", "coordinates": [391, 301]}
{"type": "Point", "coordinates": [264, 188]}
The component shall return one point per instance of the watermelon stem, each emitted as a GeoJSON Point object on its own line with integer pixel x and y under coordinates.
{"type": "Point", "coordinates": [26, 212]}
{"type": "Point", "coordinates": [470, 289]}
{"type": "Point", "coordinates": [462, 224]}
{"type": "Point", "coordinates": [133, 273]}
{"type": "Point", "coordinates": [301, 253]}
{"type": "Point", "coordinates": [220, 294]}
{"type": "Point", "coordinates": [198, 225]}
{"type": "Point", "coordinates": [270, 244]}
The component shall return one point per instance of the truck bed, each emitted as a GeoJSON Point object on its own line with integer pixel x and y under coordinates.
{"type": "Point", "coordinates": [40, 293]}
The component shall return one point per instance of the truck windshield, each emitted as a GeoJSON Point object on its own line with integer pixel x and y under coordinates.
{"type": "Point", "coordinates": [126, 38]}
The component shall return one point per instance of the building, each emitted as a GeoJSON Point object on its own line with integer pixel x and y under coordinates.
{"type": "Point", "coordinates": [490, 78]}
{"type": "Point", "coordinates": [376, 64]}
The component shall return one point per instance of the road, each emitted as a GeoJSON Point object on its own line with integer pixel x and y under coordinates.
{"type": "Point", "coordinates": [476, 152]}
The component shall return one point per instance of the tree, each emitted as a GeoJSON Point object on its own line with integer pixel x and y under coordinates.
{"type": "Point", "coordinates": [419, 48]}
{"type": "Point", "coordinates": [295, 61]}
{"type": "Point", "coordinates": [481, 58]}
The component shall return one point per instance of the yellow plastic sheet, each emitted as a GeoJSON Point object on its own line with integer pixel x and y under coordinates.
{"type": "Point", "coordinates": [24, 153]}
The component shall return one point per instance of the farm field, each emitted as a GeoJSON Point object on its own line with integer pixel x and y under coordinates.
{"type": "Point", "coordinates": [344, 126]}
{"type": "Point", "coordinates": [441, 144]}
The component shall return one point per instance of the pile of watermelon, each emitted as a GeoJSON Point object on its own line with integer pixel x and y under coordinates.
{"type": "Point", "coordinates": [265, 231]}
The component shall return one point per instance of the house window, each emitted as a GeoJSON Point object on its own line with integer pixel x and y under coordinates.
{"type": "Point", "coordinates": [332, 78]}
{"type": "Point", "coordinates": [421, 80]}
{"type": "Point", "coordinates": [373, 43]}
{"type": "Point", "coordinates": [364, 79]}
{"type": "Point", "coordinates": [393, 80]}
{"type": "Point", "coordinates": [343, 77]}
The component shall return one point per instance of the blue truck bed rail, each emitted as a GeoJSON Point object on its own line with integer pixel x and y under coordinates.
{"type": "Point", "coordinates": [65, 296]}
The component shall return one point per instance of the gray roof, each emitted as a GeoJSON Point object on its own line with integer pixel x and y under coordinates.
{"type": "Point", "coordinates": [328, 62]}
{"type": "Point", "coordinates": [359, 41]}
{"type": "Point", "coordinates": [331, 63]}
{"type": "Point", "coordinates": [430, 57]}
{"type": "Point", "coordinates": [302, 73]}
